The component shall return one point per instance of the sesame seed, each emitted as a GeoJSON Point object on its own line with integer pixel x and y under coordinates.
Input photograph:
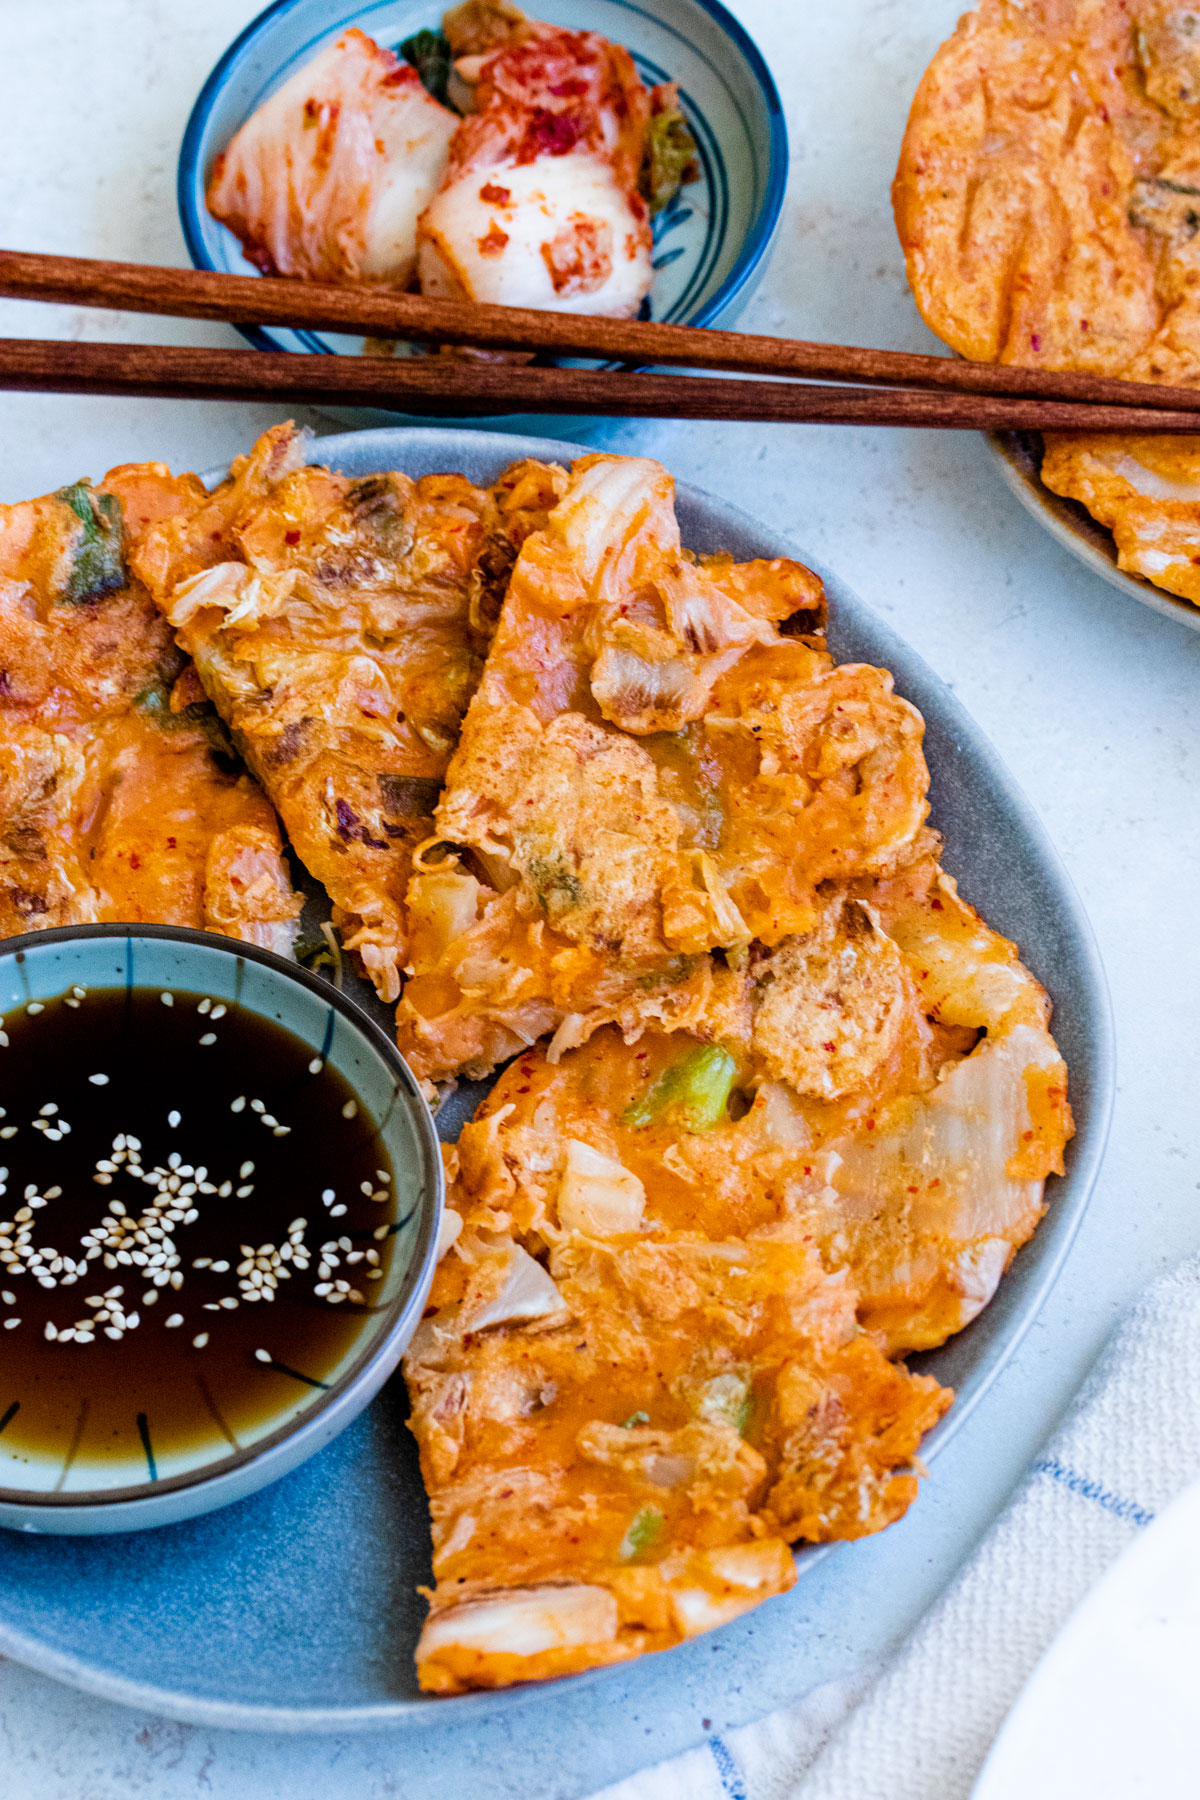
{"type": "Point", "coordinates": [173, 1119]}
{"type": "Point", "coordinates": [328, 1195]}
{"type": "Point", "coordinates": [238, 1105]}
{"type": "Point", "coordinates": [380, 1231]}
{"type": "Point", "coordinates": [11, 1324]}
{"type": "Point", "coordinates": [245, 1191]}
{"type": "Point", "coordinates": [79, 992]}
{"type": "Point", "coordinates": [8, 1131]}
{"type": "Point", "coordinates": [150, 1297]}
{"type": "Point", "coordinates": [315, 1066]}
{"type": "Point", "coordinates": [174, 1320]}
{"type": "Point", "coordinates": [335, 1212]}
{"type": "Point", "coordinates": [34, 1007]}
{"type": "Point", "coordinates": [219, 1011]}
{"type": "Point", "coordinates": [263, 1355]}
{"type": "Point", "coordinates": [176, 1278]}
{"type": "Point", "coordinates": [71, 1003]}
{"type": "Point", "coordinates": [200, 1340]}
{"type": "Point", "coordinates": [51, 1330]}
{"type": "Point", "coordinates": [258, 1106]}
{"type": "Point", "coordinates": [281, 1131]}
{"type": "Point", "coordinates": [167, 999]}
{"type": "Point", "coordinates": [98, 1080]}
{"type": "Point", "coordinates": [350, 1110]}
{"type": "Point", "coordinates": [220, 1268]}
{"type": "Point", "coordinates": [210, 1037]}
{"type": "Point", "coordinates": [382, 1175]}
{"type": "Point", "coordinates": [8, 1298]}
{"type": "Point", "coordinates": [111, 1331]}
{"type": "Point", "coordinates": [52, 1193]}
{"type": "Point", "coordinates": [48, 1111]}
{"type": "Point", "coordinates": [246, 1169]}
{"type": "Point", "coordinates": [204, 1005]}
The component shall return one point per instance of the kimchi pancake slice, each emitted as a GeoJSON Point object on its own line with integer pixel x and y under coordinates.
{"type": "Point", "coordinates": [339, 626]}
{"type": "Point", "coordinates": [650, 771]}
{"type": "Point", "coordinates": [121, 797]}
{"type": "Point", "coordinates": [630, 1398]}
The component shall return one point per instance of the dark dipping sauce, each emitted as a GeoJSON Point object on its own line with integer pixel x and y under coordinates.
{"type": "Point", "coordinates": [150, 1394]}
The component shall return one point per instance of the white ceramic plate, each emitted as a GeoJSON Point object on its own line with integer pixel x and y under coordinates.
{"type": "Point", "coordinates": [1112, 1711]}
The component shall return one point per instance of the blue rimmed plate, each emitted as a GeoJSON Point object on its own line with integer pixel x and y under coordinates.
{"type": "Point", "coordinates": [297, 1609]}
{"type": "Point", "coordinates": [710, 244]}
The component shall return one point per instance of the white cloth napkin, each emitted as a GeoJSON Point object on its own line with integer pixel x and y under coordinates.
{"type": "Point", "coordinates": [921, 1730]}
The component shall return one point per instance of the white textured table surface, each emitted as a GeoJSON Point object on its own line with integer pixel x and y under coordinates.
{"type": "Point", "coordinates": [1092, 700]}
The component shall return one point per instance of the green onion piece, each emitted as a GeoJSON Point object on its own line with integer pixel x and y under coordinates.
{"type": "Point", "coordinates": [669, 159]}
{"type": "Point", "coordinates": [155, 701]}
{"type": "Point", "coordinates": [645, 1529]}
{"type": "Point", "coordinates": [98, 564]}
{"type": "Point", "coordinates": [637, 1418]}
{"type": "Point", "coordinates": [429, 54]}
{"type": "Point", "coordinates": [697, 1087]}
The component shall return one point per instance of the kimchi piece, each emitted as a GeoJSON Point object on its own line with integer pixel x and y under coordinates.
{"type": "Point", "coordinates": [339, 627]}
{"type": "Point", "coordinates": [651, 771]}
{"type": "Point", "coordinates": [540, 203]}
{"type": "Point", "coordinates": [121, 798]}
{"type": "Point", "coordinates": [327, 179]}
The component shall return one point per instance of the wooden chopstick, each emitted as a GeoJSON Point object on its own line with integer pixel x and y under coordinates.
{"type": "Point", "coordinates": [250, 300]}
{"type": "Point", "coordinates": [454, 388]}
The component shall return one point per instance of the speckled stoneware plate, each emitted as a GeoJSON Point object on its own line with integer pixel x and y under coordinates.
{"type": "Point", "coordinates": [297, 1609]}
{"type": "Point", "coordinates": [710, 244]}
{"type": "Point", "coordinates": [1019, 458]}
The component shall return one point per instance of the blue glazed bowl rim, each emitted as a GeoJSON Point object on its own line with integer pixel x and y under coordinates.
{"type": "Point", "coordinates": [341, 1399]}
{"type": "Point", "coordinates": [755, 245]}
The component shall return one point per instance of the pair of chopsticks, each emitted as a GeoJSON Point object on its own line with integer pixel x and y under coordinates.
{"type": "Point", "coordinates": [788, 384]}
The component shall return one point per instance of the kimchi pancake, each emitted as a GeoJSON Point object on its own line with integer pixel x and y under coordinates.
{"type": "Point", "coordinates": [120, 798]}
{"type": "Point", "coordinates": [625, 1419]}
{"type": "Point", "coordinates": [650, 771]}
{"type": "Point", "coordinates": [339, 627]}
{"type": "Point", "coordinates": [1048, 203]}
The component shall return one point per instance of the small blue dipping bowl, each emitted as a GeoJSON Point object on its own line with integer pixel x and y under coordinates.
{"type": "Point", "coordinates": [45, 1493]}
{"type": "Point", "coordinates": [710, 244]}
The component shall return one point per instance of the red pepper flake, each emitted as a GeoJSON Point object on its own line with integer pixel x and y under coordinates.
{"type": "Point", "coordinates": [291, 537]}
{"type": "Point", "coordinates": [493, 240]}
{"type": "Point", "coordinates": [1035, 340]}
{"type": "Point", "coordinates": [494, 195]}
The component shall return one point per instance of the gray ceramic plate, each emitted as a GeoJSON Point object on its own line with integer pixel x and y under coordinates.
{"type": "Point", "coordinates": [297, 1609]}
{"type": "Point", "coordinates": [1019, 456]}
